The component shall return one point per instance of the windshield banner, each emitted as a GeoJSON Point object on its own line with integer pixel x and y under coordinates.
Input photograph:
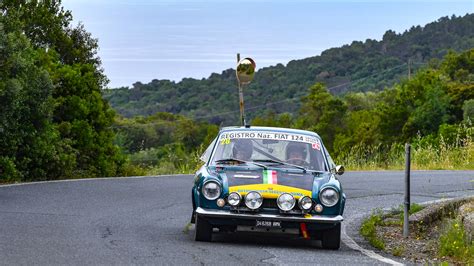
{"type": "Point", "coordinates": [270, 136]}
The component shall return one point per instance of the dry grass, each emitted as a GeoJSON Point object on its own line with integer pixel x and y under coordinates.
{"type": "Point", "coordinates": [459, 156]}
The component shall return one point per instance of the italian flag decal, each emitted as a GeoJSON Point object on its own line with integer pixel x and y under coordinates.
{"type": "Point", "coordinates": [269, 177]}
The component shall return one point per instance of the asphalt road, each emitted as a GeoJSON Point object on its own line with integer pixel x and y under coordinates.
{"type": "Point", "coordinates": [145, 221]}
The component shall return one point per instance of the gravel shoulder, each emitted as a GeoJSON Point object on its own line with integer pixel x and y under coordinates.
{"type": "Point", "coordinates": [427, 227]}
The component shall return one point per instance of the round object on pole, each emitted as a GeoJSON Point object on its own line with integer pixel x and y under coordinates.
{"type": "Point", "coordinates": [245, 70]}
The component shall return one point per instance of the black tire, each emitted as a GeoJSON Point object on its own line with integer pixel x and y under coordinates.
{"type": "Point", "coordinates": [331, 238]}
{"type": "Point", "coordinates": [203, 230]}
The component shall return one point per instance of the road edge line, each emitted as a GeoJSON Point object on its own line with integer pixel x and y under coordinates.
{"type": "Point", "coordinates": [348, 241]}
{"type": "Point", "coordinates": [87, 179]}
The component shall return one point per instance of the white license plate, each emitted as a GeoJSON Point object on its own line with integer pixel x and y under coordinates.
{"type": "Point", "coordinates": [268, 224]}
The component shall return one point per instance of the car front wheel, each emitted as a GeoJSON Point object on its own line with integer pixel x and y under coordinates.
{"type": "Point", "coordinates": [203, 230]}
{"type": "Point", "coordinates": [331, 238]}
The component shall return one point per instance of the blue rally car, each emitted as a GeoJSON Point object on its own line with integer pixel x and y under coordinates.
{"type": "Point", "coordinates": [271, 180]}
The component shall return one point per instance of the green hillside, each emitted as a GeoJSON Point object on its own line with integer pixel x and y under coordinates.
{"type": "Point", "coordinates": [361, 66]}
{"type": "Point", "coordinates": [433, 110]}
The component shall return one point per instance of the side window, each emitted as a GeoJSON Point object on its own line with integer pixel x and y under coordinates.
{"type": "Point", "coordinates": [207, 154]}
{"type": "Point", "coordinates": [317, 160]}
{"type": "Point", "coordinates": [332, 165]}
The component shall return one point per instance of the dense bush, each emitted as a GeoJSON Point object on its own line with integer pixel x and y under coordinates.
{"type": "Point", "coordinates": [164, 143]}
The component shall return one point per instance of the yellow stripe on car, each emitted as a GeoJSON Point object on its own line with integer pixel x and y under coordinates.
{"type": "Point", "coordinates": [270, 191]}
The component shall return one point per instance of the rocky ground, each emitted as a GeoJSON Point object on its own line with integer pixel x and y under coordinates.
{"type": "Point", "coordinates": [421, 247]}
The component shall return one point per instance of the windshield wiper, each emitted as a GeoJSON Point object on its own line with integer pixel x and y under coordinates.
{"type": "Point", "coordinates": [269, 161]}
{"type": "Point", "coordinates": [229, 160]}
{"type": "Point", "coordinates": [282, 163]}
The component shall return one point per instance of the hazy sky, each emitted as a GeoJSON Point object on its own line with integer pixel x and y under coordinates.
{"type": "Point", "coordinates": [158, 39]}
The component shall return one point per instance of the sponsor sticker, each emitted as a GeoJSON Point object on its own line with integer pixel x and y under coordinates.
{"type": "Point", "coordinates": [247, 176]}
{"type": "Point", "coordinates": [316, 146]}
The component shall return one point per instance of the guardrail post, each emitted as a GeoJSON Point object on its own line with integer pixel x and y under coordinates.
{"type": "Point", "coordinates": [406, 208]}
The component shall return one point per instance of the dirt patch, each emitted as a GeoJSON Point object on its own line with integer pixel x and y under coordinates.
{"type": "Point", "coordinates": [426, 227]}
{"type": "Point", "coordinates": [419, 247]}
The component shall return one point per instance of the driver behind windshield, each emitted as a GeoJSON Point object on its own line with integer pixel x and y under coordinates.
{"type": "Point", "coordinates": [296, 153]}
{"type": "Point", "coordinates": [242, 149]}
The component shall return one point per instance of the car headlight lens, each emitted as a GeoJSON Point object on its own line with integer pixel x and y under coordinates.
{"type": "Point", "coordinates": [305, 203]}
{"type": "Point", "coordinates": [286, 202]}
{"type": "Point", "coordinates": [253, 200]}
{"type": "Point", "coordinates": [211, 190]}
{"type": "Point", "coordinates": [329, 197]}
{"type": "Point", "coordinates": [233, 199]}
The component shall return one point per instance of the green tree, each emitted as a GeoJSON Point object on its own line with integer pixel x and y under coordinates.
{"type": "Point", "coordinates": [271, 119]}
{"type": "Point", "coordinates": [362, 129]}
{"type": "Point", "coordinates": [69, 55]}
{"type": "Point", "coordinates": [322, 113]}
{"type": "Point", "coordinates": [30, 147]}
{"type": "Point", "coordinates": [458, 69]}
{"type": "Point", "coordinates": [468, 108]}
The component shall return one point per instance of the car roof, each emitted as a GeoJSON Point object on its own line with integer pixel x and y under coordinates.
{"type": "Point", "coordinates": [278, 129]}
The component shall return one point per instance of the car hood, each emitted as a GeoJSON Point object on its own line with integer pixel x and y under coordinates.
{"type": "Point", "coordinates": [272, 182]}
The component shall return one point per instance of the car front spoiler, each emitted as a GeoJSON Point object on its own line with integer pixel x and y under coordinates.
{"type": "Point", "coordinates": [234, 215]}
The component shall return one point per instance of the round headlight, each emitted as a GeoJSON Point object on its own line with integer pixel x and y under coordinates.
{"type": "Point", "coordinates": [305, 203]}
{"type": "Point", "coordinates": [329, 197]}
{"type": "Point", "coordinates": [286, 202]}
{"type": "Point", "coordinates": [211, 190]}
{"type": "Point", "coordinates": [253, 200]}
{"type": "Point", "coordinates": [233, 199]}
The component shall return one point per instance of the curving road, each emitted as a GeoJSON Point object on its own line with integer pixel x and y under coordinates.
{"type": "Point", "coordinates": [145, 221]}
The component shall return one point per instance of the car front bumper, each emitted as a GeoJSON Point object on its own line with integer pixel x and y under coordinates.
{"type": "Point", "coordinates": [309, 218]}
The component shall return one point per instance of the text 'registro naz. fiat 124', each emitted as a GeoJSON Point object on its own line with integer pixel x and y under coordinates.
{"type": "Point", "coordinates": [268, 179]}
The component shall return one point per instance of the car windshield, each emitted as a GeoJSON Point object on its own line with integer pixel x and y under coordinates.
{"type": "Point", "coordinates": [275, 149]}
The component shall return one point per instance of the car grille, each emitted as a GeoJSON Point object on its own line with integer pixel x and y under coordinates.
{"type": "Point", "coordinates": [269, 204]}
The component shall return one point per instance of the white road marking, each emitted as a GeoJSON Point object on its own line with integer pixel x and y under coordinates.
{"type": "Point", "coordinates": [348, 241]}
{"type": "Point", "coordinates": [86, 179]}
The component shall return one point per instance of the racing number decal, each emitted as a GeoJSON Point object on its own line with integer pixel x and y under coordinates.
{"type": "Point", "coordinates": [225, 141]}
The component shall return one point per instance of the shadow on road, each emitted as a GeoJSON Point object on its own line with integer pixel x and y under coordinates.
{"type": "Point", "coordinates": [267, 239]}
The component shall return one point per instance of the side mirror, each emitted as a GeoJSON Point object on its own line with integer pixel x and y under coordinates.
{"type": "Point", "coordinates": [340, 170]}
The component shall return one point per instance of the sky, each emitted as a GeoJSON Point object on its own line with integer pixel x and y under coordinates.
{"type": "Point", "coordinates": [164, 39]}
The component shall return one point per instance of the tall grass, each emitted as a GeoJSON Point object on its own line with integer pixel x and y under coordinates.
{"type": "Point", "coordinates": [368, 229]}
{"type": "Point", "coordinates": [457, 153]}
